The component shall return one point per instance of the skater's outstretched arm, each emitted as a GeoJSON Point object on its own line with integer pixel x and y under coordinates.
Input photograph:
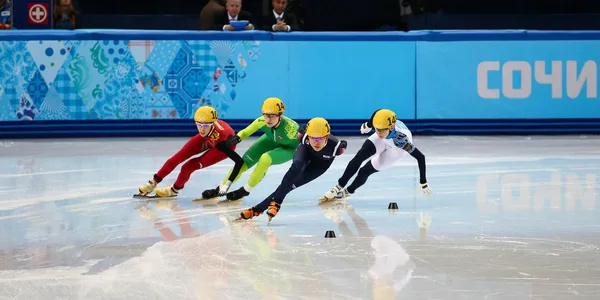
{"type": "Point", "coordinates": [401, 141]}
{"type": "Point", "coordinates": [239, 162]}
{"type": "Point", "coordinates": [246, 132]}
{"type": "Point", "coordinates": [420, 157]}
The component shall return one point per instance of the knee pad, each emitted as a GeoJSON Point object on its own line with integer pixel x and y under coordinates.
{"type": "Point", "coordinates": [265, 160]}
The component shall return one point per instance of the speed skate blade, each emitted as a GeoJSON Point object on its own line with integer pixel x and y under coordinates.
{"type": "Point", "coordinates": [204, 199]}
{"type": "Point", "coordinates": [325, 200]}
{"type": "Point", "coordinates": [152, 197]}
{"type": "Point", "coordinates": [230, 201]}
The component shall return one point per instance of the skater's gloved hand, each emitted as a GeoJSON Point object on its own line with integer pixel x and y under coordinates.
{"type": "Point", "coordinates": [233, 140]}
{"type": "Point", "coordinates": [341, 148]}
{"type": "Point", "coordinates": [425, 189]}
{"type": "Point", "coordinates": [364, 128]}
{"type": "Point", "coordinates": [301, 132]}
{"type": "Point", "coordinates": [302, 129]}
{"type": "Point", "coordinates": [224, 187]}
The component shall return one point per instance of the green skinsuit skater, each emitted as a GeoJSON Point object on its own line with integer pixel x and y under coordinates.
{"type": "Point", "coordinates": [274, 147]}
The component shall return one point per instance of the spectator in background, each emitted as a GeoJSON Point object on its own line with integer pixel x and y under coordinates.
{"type": "Point", "coordinates": [212, 9]}
{"type": "Point", "coordinates": [233, 12]}
{"type": "Point", "coordinates": [5, 14]}
{"type": "Point", "coordinates": [279, 19]}
{"type": "Point", "coordinates": [65, 16]}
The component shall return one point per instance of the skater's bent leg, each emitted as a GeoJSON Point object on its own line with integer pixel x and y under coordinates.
{"type": "Point", "coordinates": [275, 156]}
{"type": "Point", "coordinates": [309, 172]}
{"type": "Point", "coordinates": [299, 163]}
{"type": "Point", "coordinates": [207, 159]}
{"type": "Point", "coordinates": [362, 176]}
{"type": "Point", "coordinates": [259, 172]}
{"type": "Point", "coordinates": [252, 155]}
{"type": "Point", "coordinates": [195, 145]}
{"type": "Point", "coordinates": [312, 171]}
{"type": "Point", "coordinates": [383, 160]}
{"type": "Point", "coordinates": [261, 207]}
{"type": "Point", "coordinates": [367, 150]}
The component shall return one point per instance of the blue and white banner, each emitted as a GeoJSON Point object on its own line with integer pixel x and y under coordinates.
{"type": "Point", "coordinates": [507, 79]}
{"type": "Point", "coordinates": [169, 79]}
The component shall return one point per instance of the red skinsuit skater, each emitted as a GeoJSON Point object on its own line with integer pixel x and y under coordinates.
{"type": "Point", "coordinates": [212, 136]}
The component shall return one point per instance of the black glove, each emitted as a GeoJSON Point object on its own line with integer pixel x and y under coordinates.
{"type": "Point", "coordinates": [301, 132]}
{"type": "Point", "coordinates": [302, 129]}
{"type": "Point", "coordinates": [342, 147]}
{"type": "Point", "coordinates": [233, 140]}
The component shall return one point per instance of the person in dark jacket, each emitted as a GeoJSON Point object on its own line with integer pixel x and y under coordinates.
{"type": "Point", "coordinates": [279, 19]}
{"type": "Point", "coordinates": [65, 16]}
{"type": "Point", "coordinates": [209, 12]}
{"type": "Point", "coordinates": [233, 12]}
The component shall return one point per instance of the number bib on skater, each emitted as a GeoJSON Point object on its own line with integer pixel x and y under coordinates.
{"type": "Point", "coordinates": [400, 137]}
{"type": "Point", "coordinates": [221, 130]}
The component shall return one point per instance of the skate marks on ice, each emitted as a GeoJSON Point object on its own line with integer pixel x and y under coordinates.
{"type": "Point", "coordinates": [516, 222]}
{"type": "Point", "coordinates": [231, 262]}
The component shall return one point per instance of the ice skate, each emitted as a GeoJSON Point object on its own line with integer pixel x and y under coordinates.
{"type": "Point", "coordinates": [211, 194]}
{"type": "Point", "coordinates": [248, 214]}
{"type": "Point", "coordinates": [273, 210]}
{"type": "Point", "coordinates": [237, 194]}
{"type": "Point", "coordinates": [326, 200]}
{"type": "Point", "coordinates": [146, 189]}
{"type": "Point", "coordinates": [335, 193]}
{"type": "Point", "coordinates": [166, 192]}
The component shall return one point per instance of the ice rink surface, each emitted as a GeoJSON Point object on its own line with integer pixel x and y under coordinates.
{"type": "Point", "coordinates": [510, 218]}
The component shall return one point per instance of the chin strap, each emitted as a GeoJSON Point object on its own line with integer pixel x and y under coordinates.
{"type": "Point", "coordinates": [391, 135]}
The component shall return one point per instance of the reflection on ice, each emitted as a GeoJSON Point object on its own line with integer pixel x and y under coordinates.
{"type": "Point", "coordinates": [501, 224]}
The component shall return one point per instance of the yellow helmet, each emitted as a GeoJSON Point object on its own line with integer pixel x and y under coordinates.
{"type": "Point", "coordinates": [206, 115]}
{"type": "Point", "coordinates": [273, 106]}
{"type": "Point", "coordinates": [318, 127]}
{"type": "Point", "coordinates": [384, 119]}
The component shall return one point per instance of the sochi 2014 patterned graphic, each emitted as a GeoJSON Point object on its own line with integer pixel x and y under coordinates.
{"type": "Point", "coordinates": [85, 80]}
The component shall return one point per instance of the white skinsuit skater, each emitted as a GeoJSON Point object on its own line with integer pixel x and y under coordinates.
{"type": "Point", "coordinates": [391, 141]}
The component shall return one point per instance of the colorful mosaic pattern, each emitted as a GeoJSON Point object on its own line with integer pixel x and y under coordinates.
{"type": "Point", "coordinates": [82, 80]}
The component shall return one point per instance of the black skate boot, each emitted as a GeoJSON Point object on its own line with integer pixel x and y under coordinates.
{"type": "Point", "coordinates": [212, 193]}
{"type": "Point", "coordinates": [237, 194]}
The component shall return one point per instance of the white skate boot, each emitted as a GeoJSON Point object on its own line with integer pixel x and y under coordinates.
{"type": "Point", "coordinates": [335, 193]}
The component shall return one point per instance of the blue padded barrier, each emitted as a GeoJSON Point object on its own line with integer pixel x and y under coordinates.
{"type": "Point", "coordinates": [99, 83]}
{"type": "Point", "coordinates": [506, 35]}
{"type": "Point", "coordinates": [126, 35]}
{"type": "Point", "coordinates": [348, 36]}
{"type": "Point", "coordinates": [134, 128]}
{"type": "Point", "coordinates": [173, 128]}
